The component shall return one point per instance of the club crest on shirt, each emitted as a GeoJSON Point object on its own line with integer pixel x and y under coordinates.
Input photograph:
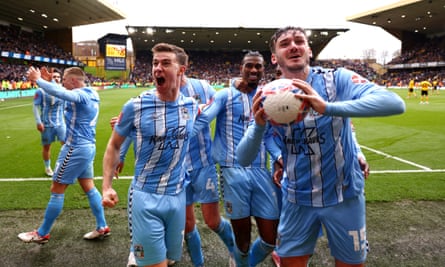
{"type": "Point", "coordinates": [197, 97]}
{"type": "Point", "coordinates": [185, 113]}
{"type": "Point", "coordinates": [138, 251]}
{"type": "Point", "coordinates": [358, 79]}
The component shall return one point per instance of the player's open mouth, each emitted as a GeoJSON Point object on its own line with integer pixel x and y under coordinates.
{"type": "Point", "coordinates": [160, 81]}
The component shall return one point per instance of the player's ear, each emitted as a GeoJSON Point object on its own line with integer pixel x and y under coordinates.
{"type": "Point", "coordinates": [273, 59]}
{"type": "Point", "coordinates": [182, 69]}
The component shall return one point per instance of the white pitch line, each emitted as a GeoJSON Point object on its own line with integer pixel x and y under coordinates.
{"type": "Point", "coordinates": [131, 177]}
{"type": "Point", "coordinates": [16, 106]}
{"type": "Point", "coordinates": [396, 158]}
{"type": "Point", "coordinates": [423, 169]}
{"type": "Point", "coordinates": [49, 179]}
{"type": "Point", "coordinates": [406, 171]}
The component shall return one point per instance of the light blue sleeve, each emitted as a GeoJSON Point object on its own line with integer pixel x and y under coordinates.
{"type": "Point", "coordinates": [377, 103]}
{"type": "Point", "coordinates": [215, 106]}
{"type": "Point", "coordinates": [124, 148]}
{"type": "Point", "coordinates": [56, 90]}
{"type": "Point", "coordinates": [357, 97]}
{"type": "Point", "coordinates": [210, 90]}
{"type": "Point", "coordinates": [201, 122]}
{"type": "Point", "coordinates": [209, 113]}
{"type": "Point", "coordinates": [273, 144]}
{"type": "Point", "coordinates": [125, 124]}
{"type": "Point", "coordinates": [249, 145]}
{"type": "Point", "coordinates": [36, 111]}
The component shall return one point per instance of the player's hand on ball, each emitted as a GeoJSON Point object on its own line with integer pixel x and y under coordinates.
{"type": "Point", "coordinates": [282, 102]}
{"type": "Point", "coordinates": [316, 102]}
{"type": "Point", "coordinates": [109, 198]}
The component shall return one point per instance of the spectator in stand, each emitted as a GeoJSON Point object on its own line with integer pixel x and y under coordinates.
{"type": "Point", "coordinates": [48, 113]}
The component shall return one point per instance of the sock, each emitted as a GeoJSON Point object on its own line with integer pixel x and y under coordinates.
{"type": "Point", "coordinates": [47, 163]}
{"type": "Point", "coordinates": [259, 251]}
{"type": "Point", "coordinates": [225, 232]}
{"type": "Point", "coordinates": [95, 200]}
{"type": "Point", "coordinates": [193, 241]}
{"type": "Point", "coordinates": [53, 210]}
{"type": "Point", "coordinates": [241, 258]}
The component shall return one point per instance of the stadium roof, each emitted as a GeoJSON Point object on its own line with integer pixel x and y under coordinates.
{"type": "Point", "coordinates": [220, 39]}
{"type": "Point", "coordinates": [417, 16]}
{"type": "Point", "coordinates": [47, 15]}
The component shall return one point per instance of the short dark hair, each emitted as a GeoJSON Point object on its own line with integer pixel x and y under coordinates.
{"type": "Point", "coordinates": [252, 54]}
{"type": "Point", "coordinates": [281, 31]}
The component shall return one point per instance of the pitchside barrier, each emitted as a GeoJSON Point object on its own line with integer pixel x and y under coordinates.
{"type": "Point", "coordinates": [16, 93]}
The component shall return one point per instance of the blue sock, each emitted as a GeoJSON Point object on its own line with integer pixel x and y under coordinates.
{"type": "Point", "coordinates": [241, 258]}
{"type": "Point", "coordinates": [53, 210]}
{"type": "Point", "coordinates": [225, 232]}
{"type": "Point", "coordinates": [95, 200]}
{"type": "Point", "coordinates": [47, 163]}
{"type": "Point", "coordinates": [259, 251]}
{"type": "Point", "coordinates": [193, 241]}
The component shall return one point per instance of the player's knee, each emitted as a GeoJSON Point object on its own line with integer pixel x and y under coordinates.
{"type": "Point", "coordinates": [213, 223]}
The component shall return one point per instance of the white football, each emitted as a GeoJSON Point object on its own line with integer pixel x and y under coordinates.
{"type": "Point", "coordinates": [280, 104]}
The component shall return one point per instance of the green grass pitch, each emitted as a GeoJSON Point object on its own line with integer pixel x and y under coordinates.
{"type": "Point", "coordinates": [405, 191]}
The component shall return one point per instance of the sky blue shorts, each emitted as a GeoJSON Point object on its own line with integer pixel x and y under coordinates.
{"type": "Point", "coordinates": [203, 186]}
{"type": "Point", "coordinates": [157, 223]}
{"type": "Point", "coordinates": [51, 134]}
{"type": "Point", "coordinates": [74, 162]}
{"type": "Point", "coordinates": [345, 226]}
{"type": "Point", "coordinates": [249, 192]}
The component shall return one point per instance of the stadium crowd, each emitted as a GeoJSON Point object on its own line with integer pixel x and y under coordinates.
{"type": "Point", "coordinates": [430, 51]}
{"type": "Point", "coordinates": [216, 67]}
